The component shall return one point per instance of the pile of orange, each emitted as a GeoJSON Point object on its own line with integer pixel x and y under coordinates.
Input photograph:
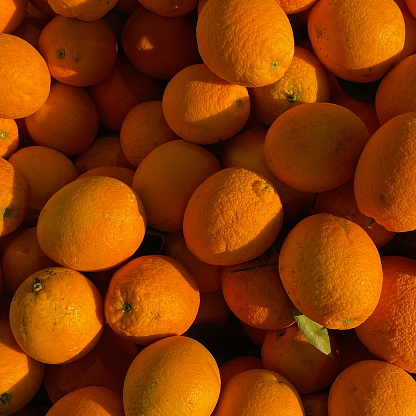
{"type": "Point", "coordinates": [207, 207]}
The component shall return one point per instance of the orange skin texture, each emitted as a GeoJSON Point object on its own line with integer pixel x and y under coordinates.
{"type": "Point", "coordinates": [14, 198]}
{"type": "Point", "coordinates": [9, 137]}
{"type": "Point", "coordinates": [20, 375]}
{"type": "Point", "coordinates": [410, 30]}
{"type": "Point", "coordinates": [384, 181]}
{"type": "Point", "coordinates": [331, 270]}
{"type": "Point", "coordinates": [305, 81]}
{"type": "Point", "coordinates": [71, 49]}
{"type": "Point", "coordinates": [77, 230]}
{"type": "Point", "coordinates": [254, 53]}
{"type": "Point", "coordinates": [159, 46]}
{"type": "Point", "coordinates": [211, 109]}
{"type": "Point", "coordinates": [372, 388]}
{"type": "Point", "coordinates": [388, 332]}
{"type": "Point", "coordinates": [315, 147]}
{"type": "Point", "coordinates": [151, 297]}
{"type": "Point", "coordinates": [170, 8]}
{"type": "Point", "coordinates": [22, 257]}
{"type": "Point", "coordinates": [121, 90]}
{"type": "Point", "coordinates": [12, 14]}
{"type": "Point", "coordinates": [357, 40]}
{"type": "Point", "coordinates": [45, 171]}
{"type": "Point", "coordinates": [212, 308]}
{"type": "Point", "coordinates": [232, 217]}
{"type": "Point", "coordinates": [259, 392]}
{"type": "Point", "coordinates": [91, 400]}
{"type": "Point", "coordinates": [315, 404]}
{"type": "Point", "coordinates": [90, 10]}
{"type": "Point", "coordinates": [67, 332]}
{"type": "Point", "coordinates": [143, 129]}
{"type": "Point", "coordinates": [121, 173]}
{"type": "Point", "coordinates": [233, 366]}
{"type": "Point", "coordinates": [167, 177]}
{"type": "Point", "coordinates": [288, 353]}
{"type": "Point", "coordinates": [25, 78]}
{"type": "Point", "coordinates": [185, 374]}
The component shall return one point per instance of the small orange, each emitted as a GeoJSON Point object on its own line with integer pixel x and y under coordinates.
{"type": "Point", "coordinates": [119, 172]}
{"type": "Point", "coordinates": [64, 332]}
{"type": "Point", "coordinates": [372, 388]}
{"type": "Point", "coordinates": [88, 10]}
{"type": "Point", "coordinates": [212, 308]}
{"type": "Point", "coordinates": [166, 179]}
{"type": "Point", "coordinates": [202, 108]}
{"type": "Point", "coordinates": [170, 8]}
{"type": "Point", "coordinates": [67, 122]}
{"type": "Point", "coordinates": [25, 78]}
{"type": "Point", "coordinates": [331, 270]}
{"type": "Point", "coordinates": [45, 171]}
{"type": "Point", "coordinates": [9, 137]}
{"type": "Point", "coordinates": [235, 365]}
{"type": "Point", "coordinates": [232, 217]}
{"type": "Point", "coordinates": [72, 48]}
{"type": "Point", "coordinates": [315, 404]}
{"type": "Point", "coordinates": [12, 14]}
{"type": "Point", "coordinates": [151, 297]}
{"type": "Point", "coordinates": [247, 42]}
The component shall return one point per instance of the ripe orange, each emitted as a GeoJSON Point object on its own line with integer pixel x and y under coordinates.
{"type": "Point", "coordinates": [119, 172]}
{"type": "Point", "coordinates": [372, 388]}
{"type": "Point", "coordinates": [9, 137]}
{"type": "Point", "coordinates": [77, 230]}
{"type": "Point", "coordinates": [12, 15]}
{"type": "Point", "coordinates": [82, 10]}
{"type": "Point", "coordinates": [357, 40]}
{"type": "Point", "coordinates": [202, 108]}
{"type": "Point", "coordinates": [173, 375]}
{"type": "Point", "coordinates": [170, 8]}
{"type": "Point", "coordinates": [166, 179]}
{"type": "Point", "coordinates": [314, 147]}
{"type": "Point", "coordinates": [65, 331]}
{"type": "Point", "coordinates": [409, 47]}
{"type": "Point", "coordinates": [247, 42]}
{"type": "Point", "coordinates": [232, 217]}
{"type": "Point", "coordinates": [295, 6]}
{"type": "Point", "coordinates": [384, 181]}
{"type": "Point", "coordinates": [25, 78]}
{"type": "Point", "coordinates": [331, 270]}
{"type": "Point", "coordinates": [151, 297]}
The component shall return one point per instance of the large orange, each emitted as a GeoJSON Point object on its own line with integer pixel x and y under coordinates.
{"type": "Point", "coordinates": [385, 178]}
{"type": "Point", "coordinates": [245, 42]}
{"type": "Point", "coordinates": [24, 78]}
{"type": "Point", "coordinates": [357, 40]}
{"type": "Point", "coordinates": [173, 375]}
{"type": "Point", "coordinates": [331, 271]}
{"type": "Point", "coordinates": [77, 230]}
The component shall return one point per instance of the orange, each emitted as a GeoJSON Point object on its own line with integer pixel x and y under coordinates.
{"type": "Point", "coordinates": [372, 388]}
{"type": "Point", "coordinates": [341, 201]}
{"type": "Point", "coordinates": [212, 308]}
{"type": "Point", "coordinates": [287, 352]}
{"type": "Point", "coordinates": [315, 404]}
{"type": "Point", "coordinates": [45, 171]}
{"type": "Point", "coordinates": [176, 374]}
{"type": "Point", "coordinates": [77, 230]}
{"type": "Point", "coordinates": [394, 94]}
{"type": "Point", "coordinates": [295, 6]}
{"type": "Point", "coordinates": [259, 392]}
{"type": "Point", "coordinates": [21, 376]}
{"type": "Point", "coordinates": [247, 42]}
{"type": "Point", "coordinates": [409, 47]}
{"type": "Point", "coordinates": [207, 276]}
{"type": "Point", "coordinates": [232, 217]}
{"type": "Point", "coordinates": [9, 137]}
{"type": "Point", "coordinates": [119, 172]}
{"type": "Point", "coordinates": [91, 400]}
{"type": "Point", "coordinates": [121, 90]}
{"type": "Point", "coordinates": [202, 108]}
{"type": "Point", "coordinates": [65, 332]}
{"type": "Point", "coordinates": [235, 365]}
{"type": "Point", "coordinates": [14, 198]}
{"type": "Point", "coordinates": [170, 8]}
{"type": "Point", "coordinates": [89, 10]}
{"type": "Point", "coordinates": [166, 179]}
{"type": "Point", "coordinates": [72, 48]}
{"type": "Point", "coordinates": [143, 129]}
{"type": "Point", "coordinates": [412, 7]}
{"type": "Point", "coordinates": [246, 150]}
{"type": "Point", "coordinates": [305, 81]}
{"type": "Point", "coordinates": [25, 78]}
{"type": "Point", "coordinates": [22, 257]}
{"type": "Point", "coordinates": [256, 296]}
{"type": "Point", "coordinates": [151, 297]}
{"type": "Point", "coordinates": [314, 147]}
{"type": "Point", "coordinates": [384, 181]}
{"type": "Point", "coordinates": [357, 40]}
{"type": "Point", "coordinates": [104, 151]}
{"type": "Point", "coordinates": [159, 46]}
{"type": "Point", "coordinates": [13, 13]}
{"type": "Point", "coordinates": [105, 365]}
{"type": "Point", "coordinates": [388, 332]}
{"type": "Point", "coordinates": [331, 270]}
{"type": "Point", "coordinates": [67, 122]}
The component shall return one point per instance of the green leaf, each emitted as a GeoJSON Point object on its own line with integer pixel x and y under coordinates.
{"type": "Point", "coordinates": [314, 333]}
